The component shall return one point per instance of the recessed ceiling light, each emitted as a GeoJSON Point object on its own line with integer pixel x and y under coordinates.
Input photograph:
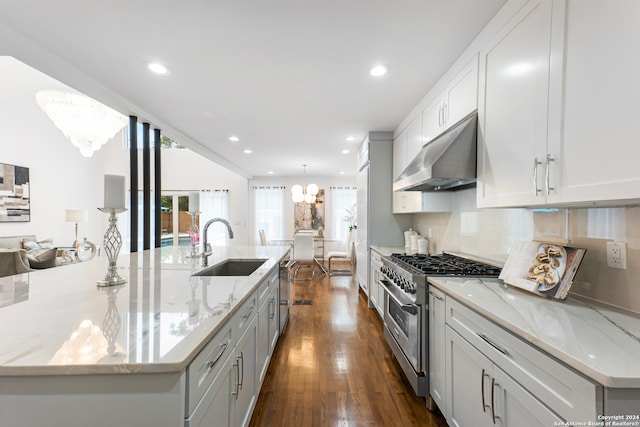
{"type": "Point", "coordinates": [234, 138]}
{"type": "Point", "coordinates": [378, 70]}
{"type": "Point", "coordinates": [158, 68]}
{"type": "Point", "coordinates": [270, 172]}
{"type": "Point", "coordinates": [345, 151]}
{"type": "Point", "coordinates": [248, 151]}
{"type": "Point", "coordinates": [341, 172]}
{"type": "Point", "coordinates": [350, 138]}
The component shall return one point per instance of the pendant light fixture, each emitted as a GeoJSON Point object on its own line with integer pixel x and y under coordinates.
{"type": "Point", "coordinates": [300, 194]}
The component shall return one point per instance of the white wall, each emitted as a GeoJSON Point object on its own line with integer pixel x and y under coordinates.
{"type": "Point", "coordinates": [490, 233]}
{"type": "Point", "coordinates": [60, 177]}
{"type": "Point", "coordinates": [184, 171]}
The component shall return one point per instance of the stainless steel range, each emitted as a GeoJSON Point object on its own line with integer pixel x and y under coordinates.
{"type": "Point", "coordinates": [404, 278]}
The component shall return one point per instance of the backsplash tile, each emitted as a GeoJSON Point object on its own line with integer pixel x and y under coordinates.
{"type": "Point", "coordinates": [490, 233]}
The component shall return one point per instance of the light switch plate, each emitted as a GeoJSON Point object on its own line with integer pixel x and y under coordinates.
{"type": "Point", "coordinates": [617, 255]}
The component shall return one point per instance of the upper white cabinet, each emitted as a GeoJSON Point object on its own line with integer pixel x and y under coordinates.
{"type": "Point", "coordinates": [513, 109]}
{"type": "Point", "coordinates": [458, 99]}
{"type": "Point", "coordinates": [406, 146]}
{"type": "Point", "coordinates": [557, 106]}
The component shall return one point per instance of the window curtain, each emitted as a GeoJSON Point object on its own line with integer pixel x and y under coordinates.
{"type": "Point", "coordinates": [269, 212]}
{"type": "Point", "coordinates": [214, 204]}
{"type": "Point", "coordinates": [343, 211]}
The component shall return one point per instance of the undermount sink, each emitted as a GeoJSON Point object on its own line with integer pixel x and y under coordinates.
{"type": "Point", "coordinates": [232, 267]}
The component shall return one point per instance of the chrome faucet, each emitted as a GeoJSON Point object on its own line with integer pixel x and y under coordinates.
{"type": "Point", "coordinates": [206, 249]}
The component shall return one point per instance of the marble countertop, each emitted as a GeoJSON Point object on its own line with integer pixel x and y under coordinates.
{"type": "Point", "coordinates": [58, 322]}
{"type": "Point", "coordinates": [601, 343]}
{"type": "Point", "coordinates": [388, 250]}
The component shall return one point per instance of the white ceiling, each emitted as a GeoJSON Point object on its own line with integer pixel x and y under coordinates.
{"type": "Point", "coordinates": [290, 78]}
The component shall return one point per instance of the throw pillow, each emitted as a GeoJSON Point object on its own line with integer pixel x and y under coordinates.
{"type": "Point", "coordinates": [42, 257]}
{"type": "Point", "coordinates": [30, 244]}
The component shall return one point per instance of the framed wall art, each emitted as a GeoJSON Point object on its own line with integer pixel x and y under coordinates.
{"type": "Point", "coordinates": [15, 203]}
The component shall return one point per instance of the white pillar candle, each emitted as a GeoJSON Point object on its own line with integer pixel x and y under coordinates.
{"type": "Point", "coordinates": [114, 192]}
{"type": "Point", "coordinates": [194, 202]}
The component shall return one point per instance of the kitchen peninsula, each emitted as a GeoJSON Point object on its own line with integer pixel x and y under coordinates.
{"type": "Point", "coordinates": [144, 353]}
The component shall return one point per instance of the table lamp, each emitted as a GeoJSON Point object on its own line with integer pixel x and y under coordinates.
{"type": "Point", "coordinates": [76, 215]}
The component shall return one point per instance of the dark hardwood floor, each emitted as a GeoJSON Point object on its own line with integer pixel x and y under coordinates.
{"type": "Point", "coordinates": [332, 366]}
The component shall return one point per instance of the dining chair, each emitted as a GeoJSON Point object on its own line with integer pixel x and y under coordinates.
{"type": "Point", "coordinates": [303, 254]}
{"type": "Point", "coordinates": [346, 255]}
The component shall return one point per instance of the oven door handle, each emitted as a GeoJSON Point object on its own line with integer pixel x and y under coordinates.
{"type": "Point", "coordinates": [409, 308]}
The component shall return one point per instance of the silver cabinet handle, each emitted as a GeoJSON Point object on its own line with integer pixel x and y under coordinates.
{"type": "Point", "coordinates": [440, 115]}
{"type": "Point", "coordinates": [445, 108]}
{"type": "Point", "coordinates": [546, 174]}
{"type": "Point", "coordinates": [272, 308]}
{"type": "Point", "coordinates": [484, 405]}
{"type": "Point", "coordinates": [493, 403]}
{"type": "Point", "coordinates": [436, 296]}
{"type": "Point", "coordinates": [241, 358]}
{"type": "Point", "coordinates": [536, 163]}
{"type": "Point", "coordinates": [492, 344]}
{"type": "Point", "coordinates": [212, 362]}
{"type": "Point", "coordinates": [247, 313]}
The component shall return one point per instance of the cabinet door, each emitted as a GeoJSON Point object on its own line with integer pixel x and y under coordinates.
{"type": "Point", "coordinates": [263, 340]}
{"type": "Point", "coordinates": [468, 384]}
{"type": "Point", "coordinates": [247, 390]}
{"type": "Point", "coordinates": [437, 349]}
{"type": "Point", "coordinates": [512, 405]}
{"type": "Point", "coordinates": [433, 119]}
{"type": "Point", "coordinates": [513, 107]}
{"type": "Point", "coordinates": [362, 247]}
{"type": "Point", "coordinates": [215, 408]}
{"type": "Point", "coordinates": [274, 320]}
{"type": "Point", "coordinates": [400, 154]}
{"type": "Point", "coordinates": [598, 160]}
{"type": "Point", "coordinates": [461, 95]}
{"type": "Point", "coordinates": [414, 138]}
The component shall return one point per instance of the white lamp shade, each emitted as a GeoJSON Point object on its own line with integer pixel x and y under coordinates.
{"type": "Point", "coordinates": [296, 189]}
{"type": "Point", "coordinates": [297, 197]}
{"type": "Point", "coordinates": [76, 215]}
{"type": "Point", "coordinates": [312, 189]}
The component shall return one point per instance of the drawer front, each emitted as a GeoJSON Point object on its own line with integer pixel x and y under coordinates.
{"type": "Point", "coordinates": [265, 288]}
{"type": "Point", "coordinates": [206, 365]}
{"type": "Point", "coordinates": [563, 390]}
{"type": "Point", "coordinates": [245, 314]}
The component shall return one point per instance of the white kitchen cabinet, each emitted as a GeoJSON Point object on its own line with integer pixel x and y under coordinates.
{"type": "Point", "coordinates": [377, 225]}
{"type": "Point", "coordinates": [268, 329]}
{"type": "Point", "coordinates": [246, 393]}
{"type": "Point", "coordinates": [456, 101]}
{"type": "Point", "coordinates": [437, 350]}
{"type": "Point", "coordinates": [376, 297]}
{"type": "Point", "coordinates": [518, 94]}
{"type": "Point", "coordinates": [406, 146]}
{"type": "Point", "coordinates": [496, 399]}
{"type": "Point", "coordinates": [215, 408]}
{"type": "Point", "coordinates": [480, 352]}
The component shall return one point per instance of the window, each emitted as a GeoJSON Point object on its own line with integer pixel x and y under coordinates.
{"type": "Point", "coordinates": [214, 204]}
{"type": "Point", "coordinates": [269, 212]}
{"type": "Point", "coordinates": [343, 211]}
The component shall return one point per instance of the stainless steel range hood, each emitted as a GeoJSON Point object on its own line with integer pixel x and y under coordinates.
{"type": "Point", "coordinates": [446, 163]}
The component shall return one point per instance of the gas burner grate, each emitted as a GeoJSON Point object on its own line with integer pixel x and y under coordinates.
{"type": "Point", "coordinates": [446, 265]}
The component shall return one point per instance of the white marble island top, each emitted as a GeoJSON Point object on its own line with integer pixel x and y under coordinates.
{"type": "Point", "coordinates": [58, 322]}
{"type": "Point", "coordinates": [601, 343]}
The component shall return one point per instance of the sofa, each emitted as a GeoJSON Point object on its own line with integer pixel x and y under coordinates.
{"type": "Point", "coordinates": [22, 254]}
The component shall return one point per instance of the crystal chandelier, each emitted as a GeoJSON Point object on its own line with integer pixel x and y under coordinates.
{"type": "Point", "coordinates": [306, 194]}
{"type": "Point", "coordinates": [87, 123]}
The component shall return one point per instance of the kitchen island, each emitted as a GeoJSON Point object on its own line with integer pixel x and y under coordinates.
{"type": "Point", "coordinates": [74, 354]}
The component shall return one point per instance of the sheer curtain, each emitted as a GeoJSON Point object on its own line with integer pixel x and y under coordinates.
{"type": "Point", "coordinates": [214, 204]}
{"type": "Point", "coordinates": [269, 212]}
{"type": "Point", "coordinates": [343, 211]}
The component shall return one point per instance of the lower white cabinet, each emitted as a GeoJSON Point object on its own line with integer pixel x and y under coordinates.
{"type": "Point", "coordinates": [376, 290]}
{"type": "Point", "coordinates": [246, 392]}
{"type": "Point", "coordinates": [268, 327]}
{"type": "Point", "coordinates": [437, 349]}
{"type": "Point", "coordinates": [481, 394]}
{"type": "Point", "coordinates": [216, 407]}
{"type": "Point", "coordinates": [495, 378]}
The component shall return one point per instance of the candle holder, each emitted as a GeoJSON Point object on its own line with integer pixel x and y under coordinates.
{"type": "Point", "coordinates": [194, 234]}
{"type": "Point", "coordinates": [112, 244]}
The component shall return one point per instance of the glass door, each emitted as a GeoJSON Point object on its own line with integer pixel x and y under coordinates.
{"type": "Point", "coordinates": [176, 220]}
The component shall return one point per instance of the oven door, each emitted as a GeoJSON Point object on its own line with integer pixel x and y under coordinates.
{"type": "Point", "coordinates": [402, 320]}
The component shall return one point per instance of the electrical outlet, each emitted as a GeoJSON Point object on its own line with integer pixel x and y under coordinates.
{"type": "Point", "coordinates": [617, 255]}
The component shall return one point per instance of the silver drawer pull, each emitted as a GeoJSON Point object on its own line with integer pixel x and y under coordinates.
{"type": "Point", "coordinates": [247, 313]}
{"type": "Point", "coordinates": [484, 405]}
{"type": "Point", "coordinates": [536, 163]}
{"type": "Point", "coordinates": [217, 357]}
{"type": "Point", "coordinates": [492, 344]}
{"type": "Point", "coordinates": [493, 402]}
{"type": "Point", "coordinates": [436, 296]}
